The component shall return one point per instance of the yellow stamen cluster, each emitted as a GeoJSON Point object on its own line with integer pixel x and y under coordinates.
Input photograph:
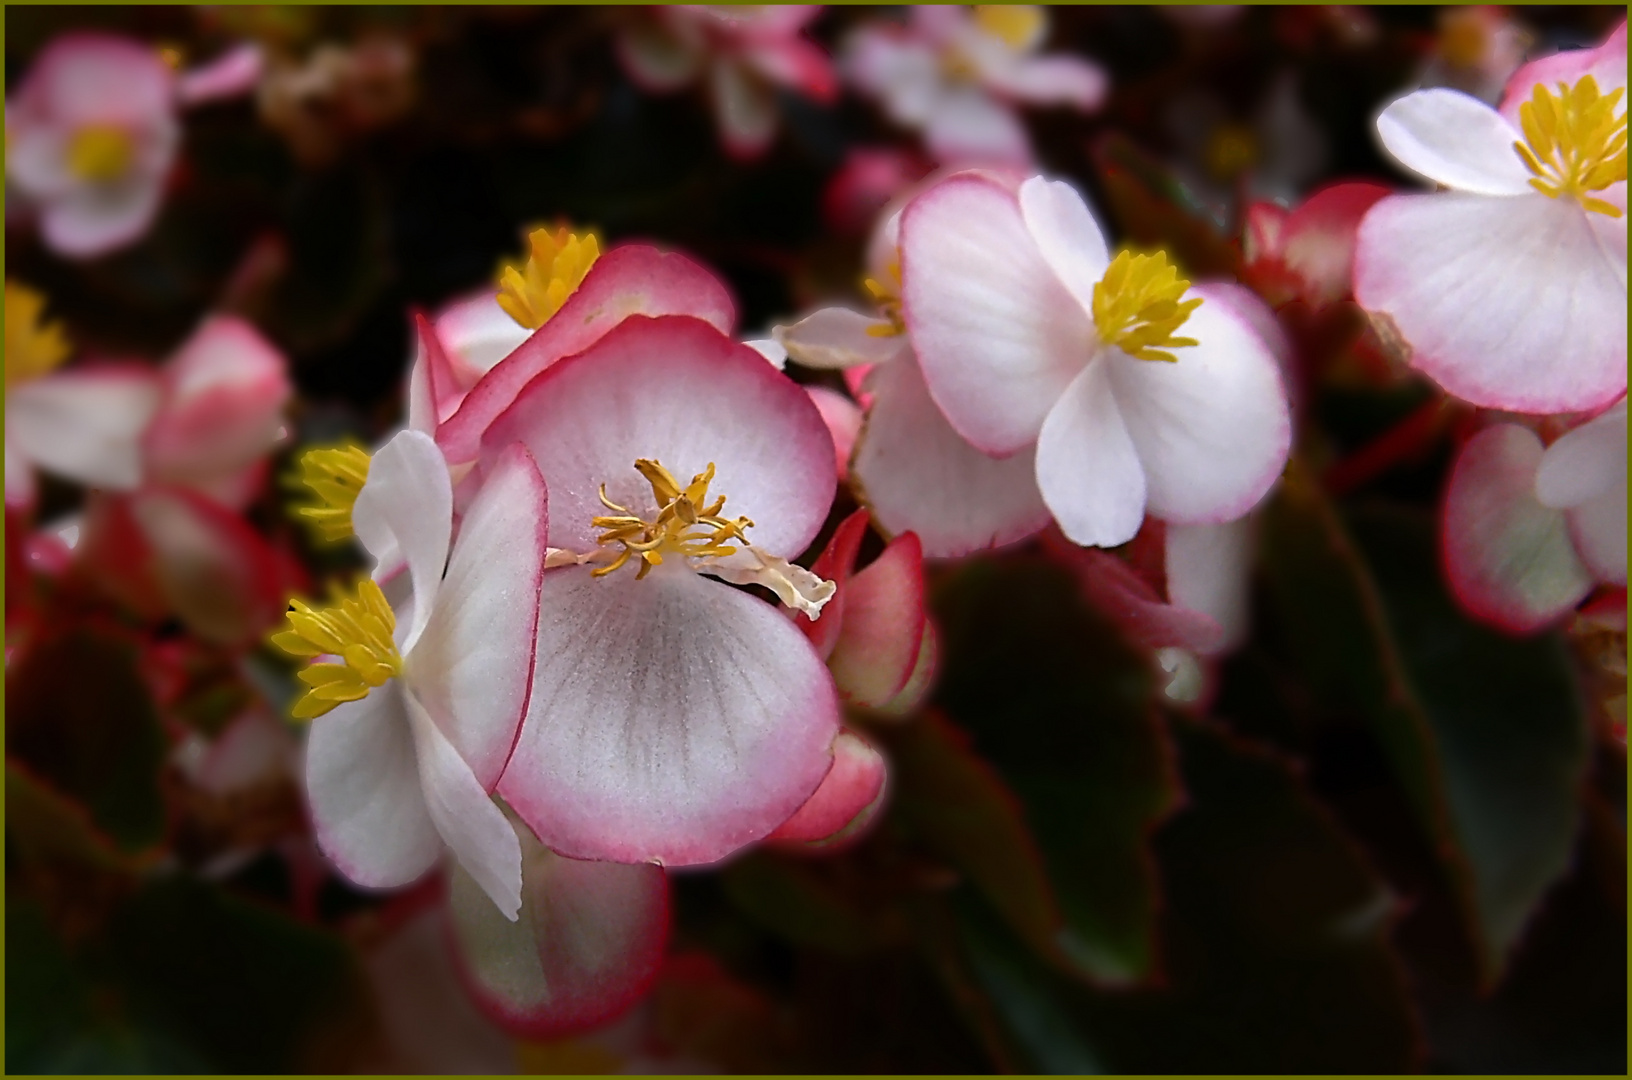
{"type": "Point", "coordinates": [1577, 143]}
{"type": "Point", "coordinates": [357, 629]}
{"type": "Point", "coordinates": [1137, 308]}
{"type": "Point", "coordinates": [888, 298]}
{"type": "Point", "coordinates": [682, 509]}
{"type": "Point", "coordinates": [556, 264]}
{"type": "Point", "coordinates": [335, 475]}
{"type": "Point", "coordinates": [33, 346]}
{"type": "Point", "coordinates": [1019, 26]}
{"type": "Point", "coordinates": [100, 152]}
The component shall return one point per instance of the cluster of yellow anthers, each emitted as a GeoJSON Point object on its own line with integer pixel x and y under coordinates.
{"type": "Point", "coordinates": [1577, 143]}
{"type": "Point", "coordinates": [100, 152]}
{"type": "Point", "coordinates": [556, 264]}
{"type": "Point", "coordinates": [358, 629]}
{"type": "Point", "coordinates": [682, 509]}
{"type": "Point", "coordinates": [888, 299]}
{"type": "Point", "coordinates": [1137, 308]}
{"type": "Point", "coordinates": [336, 475]}
{"type": "Point", "coordinates": [33, 346]}
{"type": "Point", "coordinates": [1019, 26]}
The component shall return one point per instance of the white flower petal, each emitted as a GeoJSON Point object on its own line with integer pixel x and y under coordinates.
{"type": "Point", "coordinates": [1455, 140]}
{"type": "Point", "coordinates": [1071, 242]}
{"type": "Point", "coordinates": [1209, 570]}
{"type": "Point", "coordinates": [1087, 468]}
{"type": "Point", "coordinates": [837, 337]}
{"type": "Point", "coordinates": [406, 507]}
{"type": "Point", "coordinates": [84, 425]}
{"type": "Point", "coordinates": [1585, 462]}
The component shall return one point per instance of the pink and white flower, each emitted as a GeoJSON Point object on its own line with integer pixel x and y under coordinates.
{"type": "Point", "coordinates": [413, 727]}
{"type": "Point", "coordinates": [957, 75]}
{"type": "Point", "coordinates": [1510, 287]}
{"type": "Point", "coordinates": [1032, 338]}
{"type": "Point", "coordinates": [90, 137]}
{"type": "Point", "coordinates": [1307, 253]}
{"type": "Point", "coordinates": [1529, 532]}
{"type": "Point", "coordinates": [672, 719]}
{"type": "Point", "coordinates": [746, 53]}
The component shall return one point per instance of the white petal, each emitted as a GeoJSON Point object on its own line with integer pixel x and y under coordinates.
{"type": "Point", "coordinates": [1209, 570]}
{"type": "Point", "coordinates": [836, 337]}
{"type": "Point", "coordinates": [744, 107]}
{"type": "Point", "coordinates": [1071, 242]}
{"type": "Point", "coordinates": [19, 477]}
{"type": "Point", "coordinates": [795, 586]}
{"type": "Point", "coordinates": [407, 507]}
{"type": "Point", "coordinates": [968, 126]}
{"type": "Point", "coordinates": [1455, 140]}
{"type": "Point", "coordinates": [362, 776]}
{"type": "Point", "coordinates": [1213, 429]}
{"type": "Point", "coordinates": [90, 219]}
{"type": "Point", "coordinates": [673, 719]}
{"type": "Point", "coordinates": [84, 425]}
{"type": "Point", "coordinates": [1049, 80]}
{"type": "Point", "coordinates": [1087, 467]}
{"type": "Point", "coordinates": [477, 334]}
{"type": "Point", "coordinates": [1586, 462]}
{"type": "Point", "coordinates": [771, 349]}
{"type": "Point", "coordinates": [1598, 527]}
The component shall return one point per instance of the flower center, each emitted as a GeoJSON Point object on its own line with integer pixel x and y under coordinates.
{"type": "Point", "coordinates": [99, 152]}
{"type": "Point", "coordinates": [888, 298]}
{"type": "Point", "coordinates": [1137, 308]}
{"type": "Point", "coordinates": [336, 476]}
{"type": "Point", "coordinates": [686, 525]}
{"type": "Point", "coordinates": [1019, 26]}
{"type": "Point", "coordinates": [33, 346]}
{"type": "Point", "coordinates": [1231, 150]}
{"type": "Point", "coordinates": [357, 629]}
{"type": "Point", "coordinates": [556, 264]}
{"type": "Point", "coordinates": [1576, 142]}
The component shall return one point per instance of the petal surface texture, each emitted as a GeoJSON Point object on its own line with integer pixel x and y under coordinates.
{"type": "Point", "coordinates": [405, 511]}
{"type": "Point", "coordinates": [673, 719]}
{"type": "Point", "coordinates": [1455, 140]}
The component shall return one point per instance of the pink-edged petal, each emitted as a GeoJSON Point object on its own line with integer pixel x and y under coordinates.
{"type": "Point", "coordinates": [657, 59]}
{"type": "Point", "coordinates": [883, 628]}
{"type": "Point", "coordinates": [234, 73]}
{"type": "Point", "coordinates": [84, 424]}
{"type": "Point", "coordinates": [225, 390]}
{"type": "Point", "coordinates": [630, 279]}
{"type": "Point", "coordinates": [83, 78]}
{"type": "Point", "coordinates": [1066, 234]}
{"type": "Point", "coordinates": [1318, 242]}
{"type": "Point", "coordinates": [853, 789]}
{"type": "Point", "coordinates": [672, 720]}
{"type": "Point", "coordinates": [968, 126]}
{"type": "Point", "coordinates": [836, 337]}
{"type": "Point", "coordinates": [434, 387]}
{"type": "Point", "coordinates": [1598, 527]}
{"type": "Point", "coordinates": [37, 160]}
{"type": "Point", "coordinates": [678, 391]}
{"type": "Point", "coordinates": [1586, 462]}
{"type": "Point", "coordinates": [1508, 559]}
{"type": "Point", "coordinates": [917, 474]}
{"type": "Point", "coordinates": [1209, 570]}
{"type": "Point", "coordinates": [843, 419]}
{"type": "Point", "coordinates": [588, 944]}
{"type": "Point", "coordinates": [362, 777]}
{"type": "Point", "coordinates": [472, 667]}
{"type": "Point", "coordinates": [405, 513]}
{"type": "Point", "coordinates": [90, 220]}
{"type": "Point", "coordinates": [1606, 64]}
{"type": "Point", "coordinates": [469, 822]}
{"type": "Point", "coordinates": [1213, 429]}
{"type": "Point", "coordinates": [903, 73]}
{"type": "Point", "coordinates": [1116, 589]}
{"type": "Point", "coordinates": [1051, 80]}
{"type": "Point", "coordinates": [477, 333]}
{"type": "Point", "coordinates": [998, 336]}
{"type": "Point", "coordinates": [835, 564]}
{"type": "Point", "coordinates": [1506, 303]}
{"type": "Point", "coordinates": [1088, 468]}
{"type": "Point", "coordinates": [1455, 140]}
{"type": "Point", "coordinates": [744, 108]}
{"type": "Point", "coordinates": [794, 63]}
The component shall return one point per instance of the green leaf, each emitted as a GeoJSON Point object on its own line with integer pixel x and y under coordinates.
{"type": "Point", "coordinates": [78, 714]}
{"type": "Point", "coordinates": [1061, 707]}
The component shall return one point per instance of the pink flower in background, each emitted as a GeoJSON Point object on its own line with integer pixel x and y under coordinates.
{"type": "Point", "coordinates": [958, 75]}
{"type": "Point", "coordinates": [1528, 532]}
{"type": "Point", "coordinates": [745, 53]}
{"type": "Point", "coordinates": [90, 137]}
{"type": "Point", "coordinates": [1306, 253]}
{"type": "Point", "coordinates": [866, 182]}
{"type": "Point", "coordinates": [672, 719]}
{"type": "Point", "coordinates": [1510, 288]}
{"type": "Point", "coordinates": [1031, 335]}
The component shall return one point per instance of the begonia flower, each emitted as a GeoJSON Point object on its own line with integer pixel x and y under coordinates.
{"type": "Point", "coordinates": [90, 137]}
{"type": "Point", "coordinates": [1509, 289]}
{"type": "Point", "coordinates": [1030, 334]}
{"type": "Point", "coordinates": [1528, 532]}
{"type": "Point", "coordinates": [746, 53]}
{"type": "Point", "coordinates": [1306, 253]}
{"type": "Point", "coordinates": [673, 719]}
{"type": "Point", "coordinates": [413, 725]}
{"type": "Point", "coordinates": [847, 802]}
{"type": "Point", "coordinates": [84, 424]}
{"type": "Point", "coordinates": [957, 75]}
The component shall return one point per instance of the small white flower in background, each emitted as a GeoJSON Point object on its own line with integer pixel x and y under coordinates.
{"type": "Point", "coordinates": [414, 718]}
{"type": "Point", "coordinates": [1510, 288]}
{"type": "Point", "coordinates": [1478, 49]}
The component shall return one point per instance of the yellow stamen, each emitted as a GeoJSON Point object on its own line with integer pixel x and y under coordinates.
{"type": "Point", "coordinates": [1019, 26]}
{"type": "Point", "coordinates": [33, 346]}
{"type": "Point", "coordinates": [1576, 142]}
{"type": "Point", "coordinates": [357, 629]}
{"type": "Point", "coordinates": [1137, 308]}
{"type": "Point", "coordinates": [556, 265]}
{"type": "Point", "coordinates": [171, 54]}
{"type": "Point", "coordinates": [100, 152]}
{"type": "Point", "coordinates": [680, 509]}
{"type": "Point", "coordinates": [1464, 36]}
{"type": "Point", "coordinates": [888, 298]}
{"type": "Point", "coordinates": [336, 475]}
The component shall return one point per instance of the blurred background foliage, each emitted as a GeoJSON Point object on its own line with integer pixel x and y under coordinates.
{"type": "Point", "coordinates": [1395, 840]}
